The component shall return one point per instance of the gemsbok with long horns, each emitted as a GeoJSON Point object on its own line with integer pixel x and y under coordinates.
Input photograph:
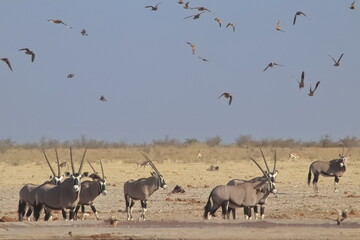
{"type": "Point", "coordinates": [268, 174]}
{"type": "Point", "coordinates": [63, 196]}
{"type": "Point", "coordinates": [247, 195]}
{"type": "Point", "coordinates": [333, 168]}
{"type": "Point", "coordinates": [90, 190]}
{"type": "Point", "coordinates": [142, 189]}
{"type": "Point", "coordinates": [27, 192]}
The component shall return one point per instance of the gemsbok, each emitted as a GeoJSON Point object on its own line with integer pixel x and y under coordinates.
{"type": "Point", "coordinates": [334, 168]}
{"type": "Point", "coordinates": [247, 195]}
{"type": "Point", "coordinates": [63, 196]}
{"type": "Point", "coordinates": [90, 190]}
{"type": "Point", "coordinates": [268, 174]}
{"type": "Point", "coordinates": [142, 189]}
{"type": "Point", "coordinates": [27, 192]}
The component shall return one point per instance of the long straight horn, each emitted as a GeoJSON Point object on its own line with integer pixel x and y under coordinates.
{"type": "Point", "coordinates": [342, 151]}
{"type": "Point", "coordinates": [72, 161]}
{"type": "Point", "coordinates": [275, 158]}
{"type": "Point", "coordinates": [58, 162]}
{"type": "Point", "coordinates": [151, 163]}
{"type": "Point", "coordinates": [47, 160]}
{"type": "Point", "coordinates": [91, 166]}
{"type": "Point", "coordinates": [82, 161]}
{"type": "Point", "coordinates": [267, 167]}
{"type": "Point", "coordinates": [102, 170]}
{"type": "Point", "coordinates": [258, 165]}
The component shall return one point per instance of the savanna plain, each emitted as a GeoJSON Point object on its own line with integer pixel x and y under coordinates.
{"type": "Point", "coordinates": [296, 212]}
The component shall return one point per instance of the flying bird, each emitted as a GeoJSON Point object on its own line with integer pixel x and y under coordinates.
{"type": "Point", "coordinates": [298, 13]}
{"type": "Point", "coordinates": [102, 98]}
{"type": "Point", "coordinates": [218, 20]}
{"type": "Point", "coordinates": [180, 2]}
{"type": "Point", "coordinates": [6, 60]}
{"type": "Point", "coordinates": [301, 82]}
{"type": "Point", "coordinates": [352, 6]}
{"type": "Point", "coordinates": [84, 33]}
{"type": "Point", "coordinates": [204, 59]}
{"type": "Point", "coordinates": [186, 6]}
{"type": "Point", "coordinates": [153, 8]}
{"type": "Point", "coordinates": [28, 52]}
{"type": "Point", "coordinates": [336, 63]}
{"type": "Point", "coordinates": [58, 21]}
{"type": "Point", "coordinates": [193, 47]}
{"type": "Point", "coordinates": [227, 95]}
{"type": "Point", "coordinates": [70, 75]}
{"type": "Point", "coordinates": [201, 9]}
{"type": "Point", "coordinates": [278, 28]}
{"type": "Point", "coordinates": [311, 93]}
{"type": "Point", "coordinates": [272, 64]}
{"type": "Point", "coordinates": [231, 25]}
{"type": "Point", "coordinates": [195, 16]}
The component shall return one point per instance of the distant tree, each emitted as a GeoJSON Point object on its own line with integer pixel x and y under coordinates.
{"type": "Point", "coordinates": [6, 144]}
{"type": "Point", "coordinates": [325, 141]}
{"type": "Point", "coordinates": [190, 141]}
{"type": "Point", "coordinates": [244, 141]}
{"type": "Point", "coordinates": [349, 142]}
{"type": "Point", "coordinates": [213, 141]}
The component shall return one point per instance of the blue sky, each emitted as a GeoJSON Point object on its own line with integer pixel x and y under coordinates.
{"type": "Point", "coordinates": [139, 60]}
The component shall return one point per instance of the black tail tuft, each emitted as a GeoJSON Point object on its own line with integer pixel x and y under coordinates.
{"type": "Point", "coordinates": [309, 176]}
{"type": "Point", "coordinates": [21, 210]}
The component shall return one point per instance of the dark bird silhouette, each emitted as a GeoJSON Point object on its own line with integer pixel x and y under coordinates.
{"type": "Point", "coordinates": [6, 60]}
{"type": "Point", "coordinates": [311, 93]}
{"type": "Point", "coordinates": [298, 13]}
{"type": "Point", "coordinates": [204, 59]}
{"type": "Point", "coordinates": [193, 47]}
{"type": "Point", "coordinates": [153, 8]}
{"type": "Point", "coordinates": [272, 64]}
{"type": "Point", "coordinates": [186, 6]}
{"type": "Point", "coordinates": [301, 82]}
{"type": "Point", "coordinates": [29, 52]}
{"type": "Point", "coordinates": [231, 25]}
{"type": "Point", "coordinates": [352, 6]}
{"type": "Point", "coordinates": [218, 20]}
{"type": "Point", "coordinates": [70, 234]}
{"type": "Point", "coordinates": [180, 2]}
{"type": "Point", "coordinates": [336, 63]}
{"type": "Point", "coordinates": [102, 98]}
{"type": "Point", "coordinates": [58, 21]}
{"type": "Point", "coordinates": [278, 27]}
{"type": "Point", "coordinates": [70, 75]}
{"type": "Point", "coordinates": [195, 16]}
{"type": "Point", "coordinates": [201, 9]}
{"type": "Point", "coordinates": [227, 95]}
{"type": "Point", "coordinates": [84, 33]}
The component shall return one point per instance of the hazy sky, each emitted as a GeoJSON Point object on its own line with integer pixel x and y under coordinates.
{"type": "Point", "coordinates": [139, 60]}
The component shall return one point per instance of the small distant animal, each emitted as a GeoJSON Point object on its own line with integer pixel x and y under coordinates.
{"type": "Point", "coordinates": [58, 21]}
{"type": "Point", "coordinates": [70, 75]}
{"type": "Point", "coordinates": [29, 52]}
{"type": "Point", "coordinates": [231, 25]}
{"type": "Point", "coordinates": [218, 20]}
{"type": "Point", "coordinates": [312, 91]}
{"type": "Point", "coordinates": [112, 220]}
{"type": "Point", "coordinates": [153, 8]}
{"type": "Point", "coordinates": [178, 189]}
{"type": "Point", "coordinates": [70, 234]}
{"type": "Point", "coordinates": [204, 59]}
{"type": "Point", "coordinates": [213, 168]}
{"type": "Point", "coordinates": [63, 165]}
{"type": "Point", "coordinates": [6, 60]}
{"type": "Point", "coordinates": [199, 156]}
{"type": "Point", "coordinates": [195, 16]}
{"type": "Point", "coordinates": [278, 27]}
{"type": "Point", "coordinates": [298, 13]}
{"type": "Point", "coordinates": [143, 164]}
{"type": "Point", "coordinates": [352, 6]}
{"type": "Point", "coordinates": [293, 156]}
{"type": "Point", "coordinates": [342, 215]}
{"type": "Point", "coordinates": [193, 47]}
{"type": "Point", "coordinates": [84, 33]}
{"type": "Point", "coordinates": [227, 95]}
{"type": "Point", "coordinates": [270, 65]}
{"type": "Point", "coordinates": [102, 98]}
{"type": "Point", "coordinates": [336, 63]}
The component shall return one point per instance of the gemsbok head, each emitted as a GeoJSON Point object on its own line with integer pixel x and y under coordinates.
{"type": "Point", "coordinates": [333, 168]}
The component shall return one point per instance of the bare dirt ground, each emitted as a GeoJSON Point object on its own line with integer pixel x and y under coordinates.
{"type": "Point", "coordinates": [295, 213]}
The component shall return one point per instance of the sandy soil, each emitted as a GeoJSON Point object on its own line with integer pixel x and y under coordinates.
{"type": "Point", "coordinates": [295, 213]}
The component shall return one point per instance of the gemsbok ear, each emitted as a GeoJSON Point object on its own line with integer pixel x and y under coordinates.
{"type": "Point", "coordinates": [85, 174]}
{"type": "Point", "coordinates": [67, 174]}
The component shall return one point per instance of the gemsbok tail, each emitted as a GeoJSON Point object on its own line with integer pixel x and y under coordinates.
{"type": "Point", "coordinates": [309, 175]}
{"type": "Point", "coordinates": [208, 207]}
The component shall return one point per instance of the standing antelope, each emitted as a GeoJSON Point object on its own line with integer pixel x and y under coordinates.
{"type": "Point", "coordinates": [142, 189]}
{"type": "Point", "coordinates": [27, 193]}
{"type": "Point", "coordinates": [268, 174]}
{"type": "Point", "coordinates": [334, 168]}
{"type": "Point", "coordinates": [90, 190]}
{"type": "Point", "coordinates": [247, 195]}
{"type": "Point", "coordinates": [64, 196]}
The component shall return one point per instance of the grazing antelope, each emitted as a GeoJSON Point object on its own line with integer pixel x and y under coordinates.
{"type": "Point", "coordinates": [293, 156]}
{"type": "Point", "coordinates": [337, 63]}
{"type": "Point", "coordinates": [247, 195]}
{"type": "Point", "coordinates": [268, 174]}
{"type": "Point", "coordinates": [90, 190]}
{"type": "Point", "coordinates": [29, 52]}
{"type": "Point", "coordinates": [334, 168]}
{"type": "Point", "coordinates": [63, 196]}
{"type": "Point", "coordinates": [298, 13]}
{"type": "Point", "coordinates": [6, 60]}
{"type": "Point", "coordinates": [27, 193]}
{"type": "Point", "coordinates": [142, 189]}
